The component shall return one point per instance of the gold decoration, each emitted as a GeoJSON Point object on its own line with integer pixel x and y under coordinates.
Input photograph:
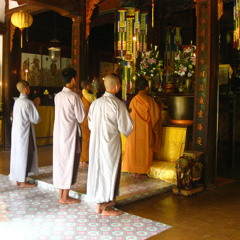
{"type": "Point", "coordinates": [201, 100]}
{"type": "Point", "coordinates": [153, 13]}
{"type": "Point", "coordinates": [199, 127]}
{"type": "Point", "coordinates": [200, 114]}
{"type": "Point", "coordinates": [21, 19]}
{"type": "Point", "coordinates": [199, 141]}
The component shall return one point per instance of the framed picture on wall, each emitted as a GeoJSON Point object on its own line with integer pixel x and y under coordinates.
{"type": "Point", "coordinates": [31, 68]}
{"type": "Point", "coordinates": [66, 63]}
{"type": "Point", "coordinates": [107, 68]}
{"type": "Point", "coordinates": [51, 72]}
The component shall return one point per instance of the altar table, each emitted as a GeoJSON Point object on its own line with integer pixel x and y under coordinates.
{"type": "Point", "coordinates": [44, 129]}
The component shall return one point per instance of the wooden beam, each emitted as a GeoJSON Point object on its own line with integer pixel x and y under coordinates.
{"type": "Point", "coordinates": [3, 28]}
{"type": "Point", "coordinates": [67, 8]}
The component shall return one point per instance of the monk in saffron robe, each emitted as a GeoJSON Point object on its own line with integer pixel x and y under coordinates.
{"type": "Point", "coordinates": [87, 99]}
{"type": "Point", "coordinates": [145, 137]}
{"type": "Point", "coordinates": [107, 118]}
{"type": "Point", "coordinates": [69, 112]}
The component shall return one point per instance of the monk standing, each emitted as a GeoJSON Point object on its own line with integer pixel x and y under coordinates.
{"type": "Point", "coordinates": [107, 118]}
{"type": "Point", "coordinates": [24, 157]}
{"type": "Point", "coordinates": [87, 99]}
{"type": "Point", "coordinates": [69, 112]}
{"type": "Point", "coordinates": [145, 137]}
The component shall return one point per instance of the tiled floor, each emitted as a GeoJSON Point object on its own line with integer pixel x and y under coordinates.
{"type": "Point", "coordinates": [131, 188]}
{"type": "Point", "coordinates": [213, 214]}
{"type": "Point", "coordinates": [34, 214]}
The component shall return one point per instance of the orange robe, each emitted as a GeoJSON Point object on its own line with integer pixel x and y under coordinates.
{"type": "Point", "coordinates": [145, 137]}
{"type": "Point", "coordinates": [85, 132]}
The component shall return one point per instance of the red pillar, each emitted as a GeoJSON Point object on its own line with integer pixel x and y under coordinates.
{"type": "Point", "coordinates": [206, 88]}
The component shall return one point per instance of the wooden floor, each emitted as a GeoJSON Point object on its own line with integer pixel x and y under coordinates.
{"type": "Point", "coordinates": [213, 214]}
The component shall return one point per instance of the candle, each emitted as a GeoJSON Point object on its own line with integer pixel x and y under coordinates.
{"type": "Point", "coordinates": [134, 49]}
{"type": "Point", "coordinates": [26, 73]}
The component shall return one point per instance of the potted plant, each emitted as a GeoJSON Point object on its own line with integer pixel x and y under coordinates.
{"type": "Point", "coordinates": [181, 108]}
{"type": "Point", "coordinates": [184, 67]}
{"type": "Point", "coordinates": [150, 67]}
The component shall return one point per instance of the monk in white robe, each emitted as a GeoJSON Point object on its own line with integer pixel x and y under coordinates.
{"type": "Point", "coordinates": [107, 118]}
{"type": "Point", "coordinates": [24, 157]}
{"type": "Point", "coordinates": [69, 112]}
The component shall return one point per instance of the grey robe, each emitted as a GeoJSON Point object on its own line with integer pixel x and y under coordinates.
{"type": "Point", "coordinates": [107, 118]}
{"type": "Point", "coordinates": [69, 112]}
{"type": "Point", "coordinates": [25, 115]}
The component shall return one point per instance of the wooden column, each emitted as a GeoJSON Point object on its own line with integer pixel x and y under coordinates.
{"type": "Point", "coordinates": [8, 89]}
{"type": "Point", "coordinates": [79, 49]}
{"type": "Point", "coordinates": [206, 88]}
{"type": "Point", "coordinates": [76, 46]}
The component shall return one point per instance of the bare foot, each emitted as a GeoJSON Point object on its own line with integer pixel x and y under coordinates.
{"type": "Point", "coordinates": [102, 206]}
{"type": "Point", "coordinates": [26, 184]}
{"type": "Point", "coordinates": [84, 164]}
{"type": "Point", "coordinates": [69, 200]}
{"type": "Point", "coordinates": [138, 175]}
{"type": "Point", "coordinates": [111, 212]}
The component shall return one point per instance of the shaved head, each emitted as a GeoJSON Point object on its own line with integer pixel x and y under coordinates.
{"type": "Point", "coordinates": [21, 85]}
{"type": "Point", "coordinates": [111, 81]}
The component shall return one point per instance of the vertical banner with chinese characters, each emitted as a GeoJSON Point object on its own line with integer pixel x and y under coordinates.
{"type": "Point", "coordinates": [121, 28]}
{"type": "Point", "coordinates": [129, 37]}
{"type": "Point", "coordinates": [202, 67]}
{"type": "Point", "coordinates": [206, 88]}
{"type": "Point", "coordinates": [236, 25]}
{"type": "Point", "coordinates": [76, 50]}
{"type": "Point", "coordinates": [130, 41]}
{"type": "Point", "coordinates": [143, 32]}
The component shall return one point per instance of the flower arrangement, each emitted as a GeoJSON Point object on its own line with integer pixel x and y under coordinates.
{"type": "Point", "coordinates": [150, 64]}
{"type": "Point", "coordinates": [185, 61]}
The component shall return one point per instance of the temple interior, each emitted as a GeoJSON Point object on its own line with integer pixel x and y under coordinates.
{"type": "Point", "coordinates": [98, 37]}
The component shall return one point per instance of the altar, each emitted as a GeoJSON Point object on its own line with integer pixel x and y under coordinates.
{"type": "Point", "coordinates": [44, 129]}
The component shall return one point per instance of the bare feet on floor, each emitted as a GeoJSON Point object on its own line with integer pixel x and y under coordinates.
{"type": "Point", "coordinates": [26, 184]}
{"type": "Point", "coordinates": [110, 211]}
{"type": "Point", "coordinates": [102, 206]}
{"type": "Point", "coordinates": [69, 200]}
{"type": "Point", "coordinates": [138, 175]}
{"type": "Point", "coordinates": [84, 164]}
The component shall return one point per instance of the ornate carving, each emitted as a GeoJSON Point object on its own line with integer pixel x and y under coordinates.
{"type": "Point", "coordinates": [189, 170]}
{"type": "Point", "coordinates": [90, 6]}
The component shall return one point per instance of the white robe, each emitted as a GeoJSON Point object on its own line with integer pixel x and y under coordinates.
{"type": "Point", "coordinates": [69, 112]}
{"type": "Point", "coordinates": [25, 115]}
{"type": "Point", "coordinates": [107, 118]}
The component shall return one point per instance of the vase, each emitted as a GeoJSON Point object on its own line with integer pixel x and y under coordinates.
{"type": "Point", "coordinates": [180, 109]}
{"type": "Point", "coordinates": [150, 84]}
{"type": "Point", "coordinates": [169, 88]}
{"type": "Point", "coordinates": [188, 85]}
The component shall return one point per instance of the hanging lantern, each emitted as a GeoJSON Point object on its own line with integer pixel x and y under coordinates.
{"type": "Point", "coordinates": [54, 50]}
{"type": "Point", "coordinates": [21, 19]}
{"type": "Point", "coordinates": [55, 45]}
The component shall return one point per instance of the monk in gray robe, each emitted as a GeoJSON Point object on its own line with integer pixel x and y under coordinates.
{"type": "Point", "coordinates": [107, 118]}
{"type": "Point", "coordinates": [24, 157]}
